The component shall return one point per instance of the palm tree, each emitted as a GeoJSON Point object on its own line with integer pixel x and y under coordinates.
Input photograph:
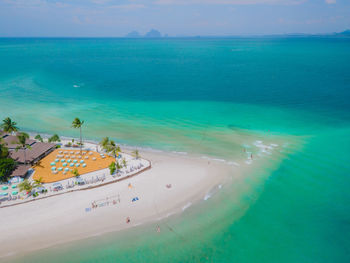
{"type": "Point", "coordinates": [124, 162]}
{"type": "Point", "coordinates": [77, 123]}
{"type": "Point", "coordinates": [136, 154]}
{"type": "Point", "coordinates": [113, 149]}
{"type": "Point", "coordinates": [38, 182]}
{"type": "Point", "coordinates": [22, 139]}
{"type": "Point", "coordinates": [110, 146]}
{"type": "Point", "coordinates": [54, 138]}
{"type": "Point", "coordinates": [8, 125]}
{"type": "Point", "coordinates": [25, 186]}
{"type": "Point", "coordinates": [39, 138]}
{"type": "Point", "coordinates": [104, 143]}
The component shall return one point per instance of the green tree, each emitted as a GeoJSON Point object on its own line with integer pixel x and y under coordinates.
{"type": "Point", "coordinates": [54, 138]}
{"type": "Point", "coordinates": [112, 168]}
{"type": "Point", "coordinates": [104, 143]}
{"type": "Point", "coordinates": [6, 167]}
{"type": "Point", "coordinates": [118, 166]}
{"type": "Point", "coordinates": [38, 182]}
{"type": "Point", "coordinates": [110, 146]}
{"type": "Point", "coordinates": [39, 138]}
{"type": "Point", "coordinates": [3, 149]}
{"type": "Point", "coordinates": [76, 124]}
{"type": "Point", "coordinates": [8, 125]}
{"type": "Point", "coordinates": [124, 162]}
{"type": "Point", "coordinates": [113, 149]}
{"type": "Point", "coordinates": [21, 141]}
{"type": "Point", "coordinates": [75, 172]}
{"type": "Point", "coordinates": [25, 186]}
{"type": "Point", "coordinates": [136, 154]}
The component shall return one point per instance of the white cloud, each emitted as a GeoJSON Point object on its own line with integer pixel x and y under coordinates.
{"type": "Point", "coordinates": [331, 1]}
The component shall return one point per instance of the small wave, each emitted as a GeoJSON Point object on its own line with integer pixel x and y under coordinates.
{"type": "Point", "coordinates": [213, 159]}
{"type": "Point", "coordinates": [219, 160]}
{"type": "Point", "coordinates": [212, 192]}
{"type": "Point", "coordinates": [186, 206]}
{"type": "Point", "coordinates": [274, 145]}
{"type": "Point", "coordinates": [76, 86]}
{"type": "Point", "coordinates": [207, 196]}
{"type": "Point", "coordinates": [248, 161]}
{"type": "Point", "coordinates": [233, 163]}
{"type": "Point", "coordinates": [182, 153]}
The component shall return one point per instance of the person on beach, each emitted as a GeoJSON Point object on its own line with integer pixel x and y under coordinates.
{"type": "Point", "coordinates": [128, 220]}
{"type": "Point", "coordinates": [158, 229]}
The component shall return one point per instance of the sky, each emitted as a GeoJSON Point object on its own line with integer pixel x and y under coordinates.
{"type": "Point", "coordinates": [116, 18]}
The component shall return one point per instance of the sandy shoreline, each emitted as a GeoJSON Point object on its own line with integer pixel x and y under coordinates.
{"type": "Point", "coordinates": [60, 219]}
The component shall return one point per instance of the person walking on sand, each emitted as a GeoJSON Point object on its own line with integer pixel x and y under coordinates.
{"type": "Point", "coordinates": [128, 220]}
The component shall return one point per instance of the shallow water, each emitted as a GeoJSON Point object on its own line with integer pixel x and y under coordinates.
{"type": "Point", "coordinates": [207, 98]}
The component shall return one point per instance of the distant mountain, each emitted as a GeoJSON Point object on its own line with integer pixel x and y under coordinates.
{"type": "Point", "coordinates": [133, 34]}
{"type": "Point", "coordinates": [344, 33]}
{"type": "Point", "coordinates": [153, 34]}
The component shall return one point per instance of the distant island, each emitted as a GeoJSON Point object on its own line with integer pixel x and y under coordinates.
{"type": "Point", "coordinates": [153, 33]}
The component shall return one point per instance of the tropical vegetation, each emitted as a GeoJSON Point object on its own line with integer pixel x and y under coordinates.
{"type": "Point", "coordinates": [77, 124]}
{"type": "Point", "coordinates": [112, 168]}
{"type": "Point", "coordinates": [118, 166]}
{"type": "Point", "coordinates": [8, 125]}
{"type": "Point", "coordinates": [25, 186]}
{"type": "Point", "coordinates": [38, 182]}
{"type": "Point", "coordinates": [39, 138]}
{"type": "Point", "coordinates": [124, 162]}
{"type": "Point", "coordinates": [136, 154]}
{"type": "Point", "coordinates": [110, 146]}
{"type": "Point", "coordinates": [75, 172]}
{"type": "Point", "coordinates": [54, 138]}
{"type": "Point", "coordinates": [6, 167]}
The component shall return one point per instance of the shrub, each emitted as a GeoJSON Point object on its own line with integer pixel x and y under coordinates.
{"type": "Point", "coordinates": [6, 167]}
{"type": "Point", "coordinates": [75, 172]}
{"type": "Point", "coordinates": [112, 168]}
{"type": "Point", "coordinates": [54, 138]}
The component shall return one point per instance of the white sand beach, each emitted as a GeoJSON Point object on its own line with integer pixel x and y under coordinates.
{"type": "Point", "coordinates": [60, 219]}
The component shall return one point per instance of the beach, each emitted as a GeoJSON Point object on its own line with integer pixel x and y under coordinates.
{"type": "Point", "coordinates": [172, 184]}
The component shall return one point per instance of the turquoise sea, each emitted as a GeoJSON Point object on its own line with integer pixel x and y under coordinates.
{"type": "Point", "coordinates": [204, 97]}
